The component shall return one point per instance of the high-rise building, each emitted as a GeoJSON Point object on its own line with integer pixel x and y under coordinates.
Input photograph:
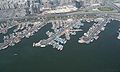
{"type": "Point", "coordinates": [87, 2]}
{"type": "Point", "coordinates": [62, 2]}
{"type": "Point", "coordinates": [54, 3]}
{"type": "Point", "coordinates": [79, 4]}
{"type": "Point", "coordinates": [6, 4]}
{"type": "Point", "coordinates": [45, 3]}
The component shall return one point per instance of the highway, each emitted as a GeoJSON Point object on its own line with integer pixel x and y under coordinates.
{"type": "Point", "coordinates": [53, 16]}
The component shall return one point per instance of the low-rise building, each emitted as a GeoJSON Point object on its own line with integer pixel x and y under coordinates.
{"type": "Point", "coordinates": [8, 4]}
{"type": "Point", "coordinates": [62, 9]}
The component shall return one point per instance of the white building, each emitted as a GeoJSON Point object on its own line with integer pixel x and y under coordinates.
{"type": "Point", "coordinates": [62, 2]}
{"type": "Point", "coordinates": [61, 9]}
{"type": "Point", "coordinates": [11, 5]}
{"type": "Point", "coordinates": [6, 4]}
{"type": "Point", "coordinates": [87, 2]}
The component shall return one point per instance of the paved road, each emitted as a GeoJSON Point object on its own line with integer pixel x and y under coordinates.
{"type": "Point", "coordinates": [50, 16]}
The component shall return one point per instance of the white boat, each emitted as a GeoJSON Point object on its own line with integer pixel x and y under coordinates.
{"type": "Point", "coordinates": [81, 40]}
{"type": "Point", "coordinates": [5, 47]}
{"type": "Point", "coordinates": [96, 37]}
{"type": "Point", "coordinates": [103, 28]}
{"type": "Point", "coordinates": [118, 36]}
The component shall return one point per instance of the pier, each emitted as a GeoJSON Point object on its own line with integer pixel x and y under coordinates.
{"type": "Point", "coordinates": [94, 31]}
{"type": "Point", "coordinates": [63, 24]}
{"type": "Point", "coordinates": [67, 27]}
{"type": "Point", "coordinates": [24, 30]}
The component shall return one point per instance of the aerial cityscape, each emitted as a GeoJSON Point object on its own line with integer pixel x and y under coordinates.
{"type": "Point", "coordinates": [59, 35]}
{"type": "Point", "coordinates": [29, 16]}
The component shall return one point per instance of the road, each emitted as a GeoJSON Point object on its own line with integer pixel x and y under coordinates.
{"type": "Point", "coordinates": [52, 16]}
